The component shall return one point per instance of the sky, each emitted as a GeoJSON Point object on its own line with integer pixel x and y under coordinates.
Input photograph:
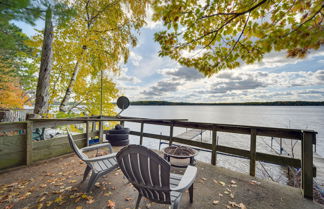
{"type": "Point", "coordinates": [146, 76]}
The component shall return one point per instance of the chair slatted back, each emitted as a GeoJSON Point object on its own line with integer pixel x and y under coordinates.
{"type": "Point", "coordinates": [75, 147]}
{"type": "Point", "coordinates": [147, 171]}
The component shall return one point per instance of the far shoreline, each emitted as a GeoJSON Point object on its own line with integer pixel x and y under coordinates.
{"type": "Point", "coordinates": [276, 103]}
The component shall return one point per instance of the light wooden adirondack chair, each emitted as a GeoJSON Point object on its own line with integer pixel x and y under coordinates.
{"type": "Point", "coordinates": [150, 174]}
{"type": "Point", "coordinates": [98, 165]}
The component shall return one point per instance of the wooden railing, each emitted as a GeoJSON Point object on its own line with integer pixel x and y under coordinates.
{"type": "Point", "coordinates": [21, 149]}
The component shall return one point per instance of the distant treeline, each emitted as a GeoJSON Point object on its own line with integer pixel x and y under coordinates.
{"type": "Point", "coordinates": [277, 103]}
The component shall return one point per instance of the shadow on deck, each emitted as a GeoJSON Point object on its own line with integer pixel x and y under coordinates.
{"type": "Point", "coordinates": [55, 184]}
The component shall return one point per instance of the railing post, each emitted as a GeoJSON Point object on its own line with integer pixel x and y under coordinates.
{"type": "Point", "coordinates": [252, 152]}
{"type": "Point", "coordinates": [307, 163]}
{"type": "Point", "coordinates": [87, 132]}
{"type": "Point", "coordinates": [122, 123]}
{"type": "Point", "coordinates": [93, 128]}
{"type": "Point", "coordinates": [171, 134]}
{"type": "Point", "coordinates": [213, 155]}
{"type": "Point", "coordinates": [29, 145]}
{"type": "Point", "coordinates": [141, 136]}
{"type": "Point", "coordinates": [101, 131]}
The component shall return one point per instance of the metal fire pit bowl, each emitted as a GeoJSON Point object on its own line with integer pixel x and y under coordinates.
{"type": "Point", "coordinates": [180, 152]}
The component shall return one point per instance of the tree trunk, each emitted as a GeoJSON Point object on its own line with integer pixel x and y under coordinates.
{"type": "Point", "coordinates": [42, 94]}
{"type": "Point", "coordinates": [67, 96]}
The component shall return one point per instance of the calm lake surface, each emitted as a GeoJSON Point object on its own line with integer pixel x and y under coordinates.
{"type": "Point", "coordinates": [299, 117]}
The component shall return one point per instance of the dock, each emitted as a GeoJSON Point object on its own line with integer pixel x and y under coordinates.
{"type": "Point", "coordinates": [191, 134]}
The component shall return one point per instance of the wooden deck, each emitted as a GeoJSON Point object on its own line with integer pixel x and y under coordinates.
{"type": "Point", "coordinates": [20, 149]}
{"type": "Point", "coordinates": [56, 184]}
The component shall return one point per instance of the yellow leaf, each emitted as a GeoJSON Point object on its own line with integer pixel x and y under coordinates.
{"type": "Point", "coordinates": [49, 203]}
{"type": "Point", "coordinates": [222, 183]}
{"type": "Point", "coordinates": [40, 205]}
{"type": "Point", "coordinates": [59, 199]}
{"type": "Point", "coordinates": [79, 207]}
{"type": "Point", "coordinates": [42, 198]}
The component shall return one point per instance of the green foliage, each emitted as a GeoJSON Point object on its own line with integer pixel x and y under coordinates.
{"type": "Point", "coordinates": [16, 58]}
{"type": "Point", "coordinates": [97, 38]}
{"type": "Point", "coordinates": [215, 35]}
{"type": "Point", "coordinates": [21, 10]}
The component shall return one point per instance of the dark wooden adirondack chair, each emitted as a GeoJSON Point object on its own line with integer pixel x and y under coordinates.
{"type": "Point", "coordinates": [150, 174]}
{"type": "Point", "coordinates": [98, 165]}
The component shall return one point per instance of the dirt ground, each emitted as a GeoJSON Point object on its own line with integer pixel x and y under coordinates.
{"type": "Point", "coordinates": [56, 184]}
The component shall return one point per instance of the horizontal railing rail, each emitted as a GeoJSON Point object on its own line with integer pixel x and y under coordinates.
{"type": "Point", "coordinates": [21, 149]}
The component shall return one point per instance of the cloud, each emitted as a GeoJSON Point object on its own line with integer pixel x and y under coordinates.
{"type": "Point", "coordinates": [319, 75]}
{"type": "Point", "coordinates": [149, 22]}
{"type": "Point", "coordinates": [130, 79]}
{"type": "Point", "coordinates": [135, 58]}
{"type": "Point", "coordinates": [162, 87]}
{"type": "Point", "coordinates": [185, 73]}
{"type": "Point", "coordinates": [232, 85]}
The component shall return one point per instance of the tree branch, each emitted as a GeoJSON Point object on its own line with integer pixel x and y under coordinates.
{"type": "Point", "coordinates": [234, 13]}
{"type": "Point", "coordinates": [247, 19]}
{"type": "Point", "coordinates": [222, 26]}
{"type": "Point", "coordinates": [312, 17]}
{"type": "Point", "coordinates": [101, 11]}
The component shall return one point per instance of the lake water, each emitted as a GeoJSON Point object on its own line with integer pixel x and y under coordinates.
{"type": "Point", "coordinates": [299, 117]}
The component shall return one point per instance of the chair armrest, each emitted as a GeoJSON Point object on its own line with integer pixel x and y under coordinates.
{"type": "Point", "coordinates": [94, 159]}
{"type": "Point", "coordinates": [187, 179]}
{"type": "Point", "coordinates": [97, 146]}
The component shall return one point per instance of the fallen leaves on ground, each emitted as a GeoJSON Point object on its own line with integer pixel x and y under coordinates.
{"type": "Point", "coordinates": [222, 183]}
{"type": "Point", "coordinates": [79, 207]}
{"type": "Point", "coordinates": [111, 204]}
{"type": "Point", "coordinates": [128, 198]}
{"type": "Point", "coordinates": [107, 194]}
{"type": "Point", "coordinates": [9, 206]}
{"type": "Point", "coordinates": [90, 201]}
{"type": "Point", "coordinates": [253, 182]}
{"type": "Point", "coordinates": [237, 205]}
{"type": "Point", "coordinates": [242, 206]}
{"type": "Point", "coordinates": [49, 203]}
{"type": "Point", "coordinates": [40, 206]}
{"type": "Point", "coordinates": [148, 205]}
{"type": "Point", "coordinates": [43, 185]}
{"type": "Point", "coordinates": [59, 200]}
{"type": "Point", "coordinates": [215, 202]}
{"type": "Point", "coordinates": [42, 199]}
